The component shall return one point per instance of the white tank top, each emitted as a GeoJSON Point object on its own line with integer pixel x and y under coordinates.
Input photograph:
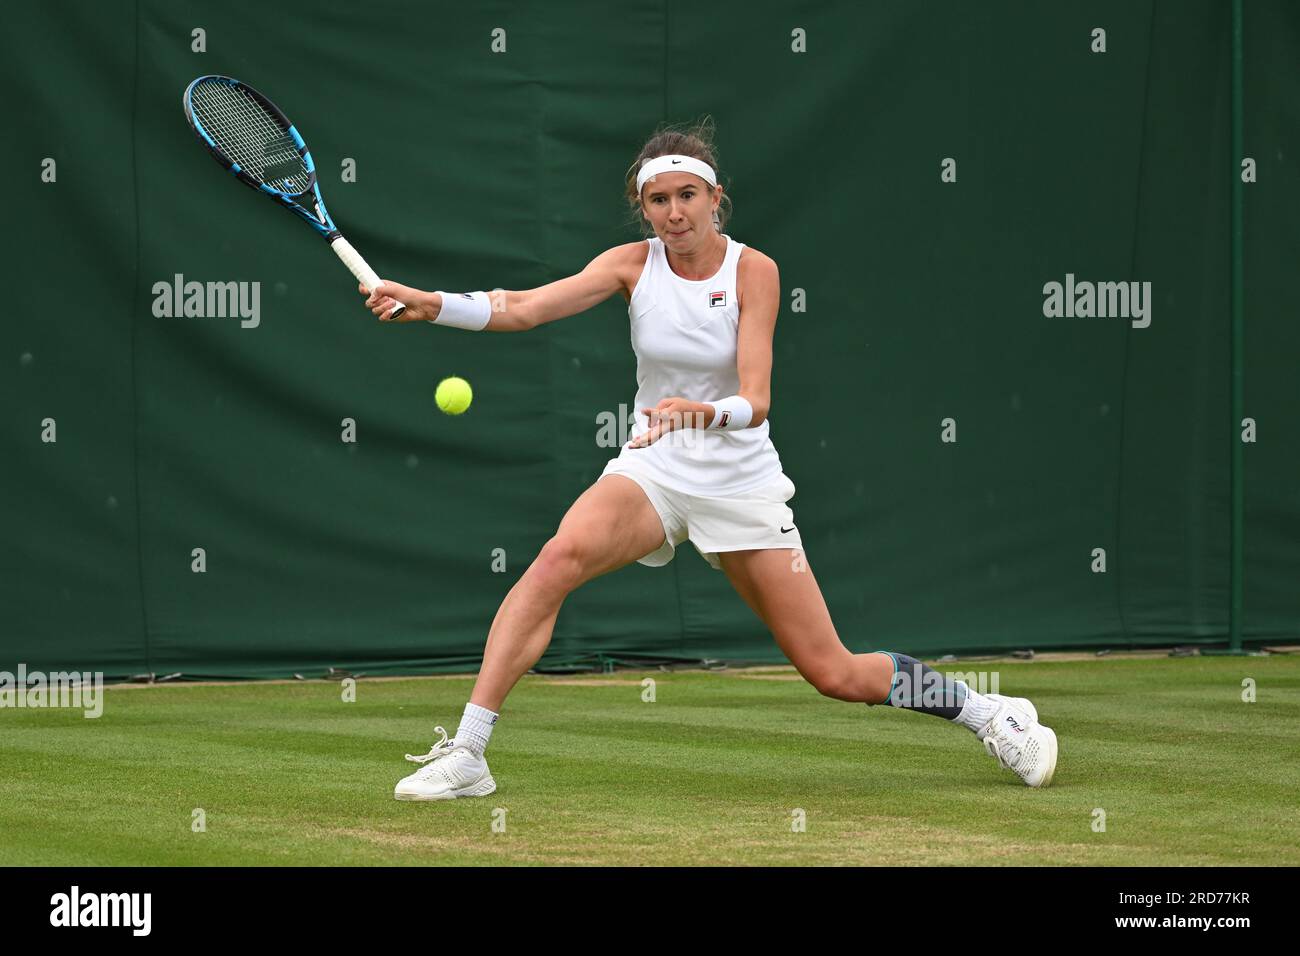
{"type": "Point", "coordinates": [684, 337]}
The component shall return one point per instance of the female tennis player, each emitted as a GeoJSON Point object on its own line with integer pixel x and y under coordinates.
{"type": "Point", "coordinates": [700, 466]}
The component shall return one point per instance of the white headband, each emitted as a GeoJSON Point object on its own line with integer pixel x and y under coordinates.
{"type": "Point", "coordinates": [674, 164]}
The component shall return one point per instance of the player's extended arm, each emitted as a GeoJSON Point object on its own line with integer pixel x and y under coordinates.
{"type": "Point", "coordinates": [523, 310]}
{"type": "Point", "coordinates": [565, 297]}
{"type": "Point", "coordinates": [755, 331]}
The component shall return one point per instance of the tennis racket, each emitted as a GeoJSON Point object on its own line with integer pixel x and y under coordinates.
{"type": "Point", "coordinates": [252, 138]}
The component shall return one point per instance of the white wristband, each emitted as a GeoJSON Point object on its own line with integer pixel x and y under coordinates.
{"type": "Point", "coordinates": [731, 413]}
{"type": "Point", "coordinates": [464, 310]}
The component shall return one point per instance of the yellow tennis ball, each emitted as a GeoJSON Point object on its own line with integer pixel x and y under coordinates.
{"type": "Point", "coordinates": [453, 395]}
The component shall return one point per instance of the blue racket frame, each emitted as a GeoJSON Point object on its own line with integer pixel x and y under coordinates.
{"type": "Point", "coordinates": [322, 223]}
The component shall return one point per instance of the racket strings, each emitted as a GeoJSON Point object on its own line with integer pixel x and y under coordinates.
{"type": "Point", "coordinates": [250, 136]}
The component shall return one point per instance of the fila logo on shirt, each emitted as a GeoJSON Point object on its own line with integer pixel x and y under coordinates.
{"type": "Point", "coordinates": [717, 299]}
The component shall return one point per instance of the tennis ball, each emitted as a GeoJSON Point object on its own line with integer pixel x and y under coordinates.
{"type": "Point", "coordinates": [453, 395]}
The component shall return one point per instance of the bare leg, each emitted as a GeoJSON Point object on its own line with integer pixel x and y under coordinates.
{"type": "Point", "coordinates": [610, 525]}
{"type": "Point", "coordinates": [778, 584]}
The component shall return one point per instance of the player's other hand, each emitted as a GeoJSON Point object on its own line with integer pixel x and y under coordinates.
{"type": "Point", "coordinates": [419, 305]}
{"type": "Point", "coordinates": [671, 414]}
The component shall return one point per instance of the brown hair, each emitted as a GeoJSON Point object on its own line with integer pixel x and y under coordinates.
{"type": "Point", "coordinates": [694, 140]}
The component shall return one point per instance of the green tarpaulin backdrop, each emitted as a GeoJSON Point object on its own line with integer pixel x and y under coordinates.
{"type": "Point", "coordinates": [480, 168]}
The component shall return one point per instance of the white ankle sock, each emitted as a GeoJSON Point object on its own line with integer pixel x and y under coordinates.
{"type": "Point", "coordinates": [976, 712]}
{"type": "Point", "coordinates": [476, 728]}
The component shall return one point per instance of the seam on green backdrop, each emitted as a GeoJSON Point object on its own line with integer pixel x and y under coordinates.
{"type": "Point", "coordinates": [1236, 336]}
{"type": "Point", "coordinates": [537, 85]}
{"type": "Point", "coordinates": [667, 6]}
{"type": "Point", "coordinates": [132, 318]}
{"type": "Point", "coordinates": [677, 573]}
{"type": "Point", "coordinates": [1124, 372]}
{"type": "Point", "coordinates": [681, 610]}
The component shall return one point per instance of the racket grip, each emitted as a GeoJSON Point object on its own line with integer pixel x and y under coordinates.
{"type": "Point", "coordinates": [361, 269]}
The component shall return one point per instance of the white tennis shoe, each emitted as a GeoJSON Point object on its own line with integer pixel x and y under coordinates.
{"type": "Point", "coordinates": [1019, 742]}
{"type": "Point", "coordinates": [450, 771]}
{"type": "Point", "coordinates": [1021, 702]}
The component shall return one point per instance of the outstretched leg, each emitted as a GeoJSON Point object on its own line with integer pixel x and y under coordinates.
{"type": "Point", "coordinates": [779, 585]}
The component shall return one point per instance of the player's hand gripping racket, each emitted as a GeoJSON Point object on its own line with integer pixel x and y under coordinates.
{"type": "Point", "coordinates": [250, 136]}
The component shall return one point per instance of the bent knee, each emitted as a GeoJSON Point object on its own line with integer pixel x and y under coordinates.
{"type": "Point", "coordinates": [562, 563]}
{"type": "Point", "coordinates": [835, 683]}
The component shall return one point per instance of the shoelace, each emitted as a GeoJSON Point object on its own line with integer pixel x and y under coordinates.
{"type": "Point", "coordinates": [440, 749]}
{"type": "Point", "coordinates": [996, 749]}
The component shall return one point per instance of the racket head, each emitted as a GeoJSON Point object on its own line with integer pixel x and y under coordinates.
{"type": "Point", "coordinates": [252, 138]}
